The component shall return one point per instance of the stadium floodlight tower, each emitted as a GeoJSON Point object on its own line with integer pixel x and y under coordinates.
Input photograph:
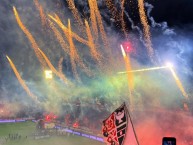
{"type": "Point", "coordinates": [48, 74]}
{"type": "Point", "coordinates": [169, 64]}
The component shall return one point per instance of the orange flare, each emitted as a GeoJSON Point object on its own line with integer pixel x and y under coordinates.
{"type": "Point", "coordinates": [128, 69]}
{"type": "Point", "coordinates": [129, 75]}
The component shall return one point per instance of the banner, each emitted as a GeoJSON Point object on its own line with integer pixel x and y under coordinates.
{"type": "Point", "coordinates": [115, 126]}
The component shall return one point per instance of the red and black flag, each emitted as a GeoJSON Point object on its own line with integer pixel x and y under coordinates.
{"type": "Point", "coordinates": [115, 126]}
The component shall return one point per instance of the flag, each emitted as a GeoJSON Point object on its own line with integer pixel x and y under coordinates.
{"type": "Point", "coordinates": [115, 126]}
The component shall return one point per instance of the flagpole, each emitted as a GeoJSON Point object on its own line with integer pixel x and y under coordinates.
{"type": "Point", "coordinates": [133, 126]}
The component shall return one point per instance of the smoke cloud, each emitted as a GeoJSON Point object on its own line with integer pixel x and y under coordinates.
{"type": "Point", "coordinates": [156, 92]}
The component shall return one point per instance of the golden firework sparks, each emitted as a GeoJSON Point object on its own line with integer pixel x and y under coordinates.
{"type": "Point", "coordinates": [59, 37]}
{"type": "Point", "coordinates": [74, 53]}
{"type": "Point", "coordinates": [123, 25]}
{"type": "Point", "coordinates": [92, 47]}
{"type": "Point", "coordinates": [93, 19]}
{"type": "Point", "coordinates": [76, 15]}
{"type": "Point", "coordinates": [65, 29]}
{"type": "Point", "coordinates": [60, 64]}
{"type": "Point", "coordinates": [41, 11]}
{"type": "Point", "coordinates": [146, 29]}
{"type": "Point", "coordinates": [21, 81]}
{"type": "Point", "coordinates": [31, 38]}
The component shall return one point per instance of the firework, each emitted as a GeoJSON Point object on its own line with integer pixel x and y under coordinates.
{"type": "Point", "coordinates": [59, 37]}
{"type": "Point", "coordinates": [122, 17]}
{"type": "Point", "coordinates": [143, 70]}
{"type": "Point", "coordinates": [146, 29]}
{"type": "Point", "coordinates": [93, 19]}
{"type": "Point", "coordinates": [113, 10]}
{"type": "Point", "coordinates": [92, 47]}
{"type": "Point", "coordinates": [74, 54]}
{"type": "Point", "coordinates": [176, 78]}
{"type": "Point", "coordinates": [109, 55]}
{"type": "Point", "coordinates": [129, 75]}
{"type": "Point", "coordinates": [75, 13]}
{"type": "Point", "coordinates": [21, 81]}
{"type": "Point", "coordinates": [65, 29]}
{"type": "Point", "coordinates": [41, 12]}
{"type": "Point", "coordinates": [57, 33]}
{"type": "Point", "coordinates": [178, 82]}
{"type": "Point", "coordinates": [128, 68]}
{"type": "Point", "coordinates": [100, 23]}
{"type": "Point", "coordinates": [31, 38]}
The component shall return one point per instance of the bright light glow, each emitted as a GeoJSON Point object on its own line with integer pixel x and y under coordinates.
{"type": "Point", "coordinates": [143, 70]}
{"type": "Point", "coordinates": [123, 51]}
{"type": "Point", "coordinates": [48, 74]}
{"type": "Point", "coordinates": [168, 64]}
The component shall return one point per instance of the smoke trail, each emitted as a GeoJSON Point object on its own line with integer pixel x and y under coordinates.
{"type": "Point", "coordinates": [31, 39]}
{"type": "Point", "coordinates": [146, 29]}
{"type": "Point", "coordinates": [60, 75]}
{"type": "Point", "coordinates": [41, 12]}
{"type": "Point", "coordinates": [93, 19]}
{"type": "Point", "coordinates": [154, 24]}
{"type": "Point", "coordinates": [21, 81]}
{"type": "Point", "coordinates": [149, 9]}
{"type": "Point", "coordinates": [134, 27]}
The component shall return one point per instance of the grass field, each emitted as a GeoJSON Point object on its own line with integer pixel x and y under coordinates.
{"type": "Point", "coordinates": [28, 128]}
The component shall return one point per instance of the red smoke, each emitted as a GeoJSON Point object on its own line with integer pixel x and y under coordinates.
{"type": "Point", "coordinates": [151, 127]}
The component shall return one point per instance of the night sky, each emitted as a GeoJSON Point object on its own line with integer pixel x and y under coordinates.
{"type": "Point", "coordinates": [175, 12]}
